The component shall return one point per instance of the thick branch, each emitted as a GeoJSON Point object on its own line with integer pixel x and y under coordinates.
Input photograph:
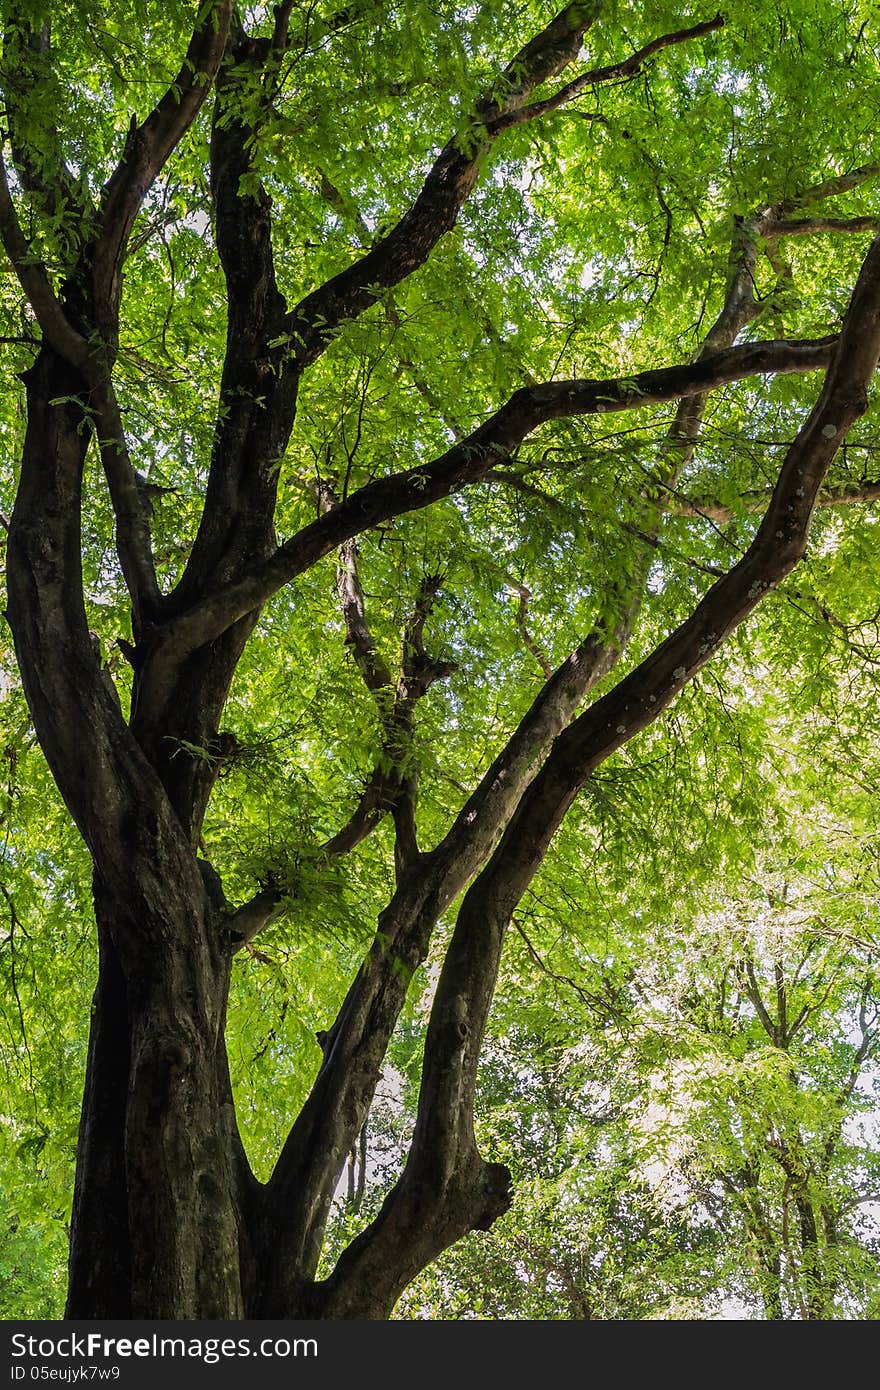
{"type": "Point", "coordinates": [753, 991]}
{"type": "Point", "coordinates": [444, 1178]}
{"type": "Point", "coordinates": [806, 226]}
{"type": "Point", "coordinates": [131, 509]}
{"type": "Point", "coordinates": [446, 1189]}
{"type": "Point", "coordinates": [250, 919]}
{"type": "Point", "coordinates": [849, 494]}
{"type": "Point", "coordinates": [468, 461]}
{"type": "Point", "coordinates": [355, 1046]}
{"type": "Point", "coordinates": [255, 416]}
{"type": "Point", "coordinates": [445, 190]}
{"type": "Point", "coordinates": [257, 392]}
{"type": "Point", "coordinates": [370, 811]}
{"type": "Point", "coordinates": [98, 766]}
{"type": "Point", "coordinates": [147, 148]}
{"type": "Point", "coordinates": [629, 67]}
{"type": "Point", "coordinates": [356, 1043]}
{"type": "Point", "coordinates": [100, 408]}
{"type": "Point", "coordinates": [778, 545]}
{"type": "Point", "coordinates": [828, 188]}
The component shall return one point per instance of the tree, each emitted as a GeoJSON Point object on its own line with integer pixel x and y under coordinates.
{"type": "Point", "coordinates": [258, 231]}
{"type": "Point", "coordinates": [758, 1114]}
{"type": "Point", "coordinates": [700, 1136]}
{"type": "Point", "coordinates": [586, 1237]}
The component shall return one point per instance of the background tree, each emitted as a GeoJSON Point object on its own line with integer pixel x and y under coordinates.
{"type": "Point", "coordinates": [758, 1114]}
{"type": "Point", "coordinates": [407, 368]}
{"type": "Point", "coordinates": [692, 1131]}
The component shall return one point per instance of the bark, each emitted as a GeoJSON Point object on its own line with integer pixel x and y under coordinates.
{"type": "Point", "coordinates": [99, 1275]}
{"type": "Point", "coordinates": [157, 1204]}
{"type": "Point", "coordinates": [155, 1217]}
{"type": "Point", "coordinates": [168, 1220]}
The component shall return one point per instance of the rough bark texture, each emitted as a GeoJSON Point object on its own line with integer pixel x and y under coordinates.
{"type": "Point", "coordinates": [168, 1219]}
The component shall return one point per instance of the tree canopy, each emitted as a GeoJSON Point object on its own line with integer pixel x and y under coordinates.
{"type": "Point", "coordinates": [440, 773]}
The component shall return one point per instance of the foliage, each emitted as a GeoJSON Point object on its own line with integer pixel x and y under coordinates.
{"type": "Point", "coordinates": [671, 1140]}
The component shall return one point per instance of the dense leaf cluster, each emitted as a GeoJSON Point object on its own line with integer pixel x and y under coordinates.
{"type": "Point", "coordinates": [680, 1063]}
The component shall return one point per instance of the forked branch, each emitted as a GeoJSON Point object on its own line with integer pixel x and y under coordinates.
{"type": "Point", "coordinates": [613, 72]}
{"type": "Point", "coordinates": [468, 461]}
{"type": "Point", "coordinates": [392, 786]}
{"type": "Point", "coordinates": [445, 1180]}
{"type": "Point", "coordinates": [451, 179]}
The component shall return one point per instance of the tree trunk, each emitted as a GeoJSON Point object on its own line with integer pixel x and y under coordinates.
{"type": "Point", "coordinates": [168, 1220]}
{"type": "Point", "coordinates": [99, 1273]}
{"type": "Point", "coordinates": [156, 1219]}
{"type": "Point", "coordinates": [813, 1274]}
{"type": "Point", "coordinates": [161, 1177]}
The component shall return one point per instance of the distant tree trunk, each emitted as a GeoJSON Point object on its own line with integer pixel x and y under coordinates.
{"type": "Point", "coordinates": [812, 1270]}
{"type": "Point", "coordinates": [770, 1278]}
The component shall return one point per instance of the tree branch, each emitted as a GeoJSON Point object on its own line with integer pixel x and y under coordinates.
{"type": "Point", "coordinates": [445, 1180]}
{"type": "Point", "coordinates": [806, 226]}
{"type": "Point", "coordinates": [739, 308]}
{"type": "Point", "coordinates": [468, 461]}
{"type": "Point", "coordinates": [850, 494]}
{"type": "Point", "coordinates": [356, 1043]}
{"type": "Point", "coordinates": [448, 185]}
{"type": "Point", "coordinates": [147, 149]}
{"type": "Point", "coordinates": [256, 411]}
{"type": "Point", "coordinates": [100, 410]}
{"type": "Point", "coordinates": [629, 67]}
{"type": "Point", "coordinates": [131, 509]}
{"type": "Point", "coordinates": [393, 783]}
{"type": "Point", "coordinates": [358, 636]}
{"type": "Point", "coordinates": [522, 613]}
{"type": "Point", "coordinates": [446, 1189]}
{"type": "Point", "coordinates": [257, 392]}
{"type": "Point", "coordinates": [778, 545]}
{"type": "Point", "coordinates": [828, 188]}
{"type": "Point", "coordinates": [355, 1046]}
{"type": "Point", "coordinates": [248, 921]}
{"type": "Point", "coordinates": [870, 1032]}
{"type": "Point", "coordinates": [57, 329]}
